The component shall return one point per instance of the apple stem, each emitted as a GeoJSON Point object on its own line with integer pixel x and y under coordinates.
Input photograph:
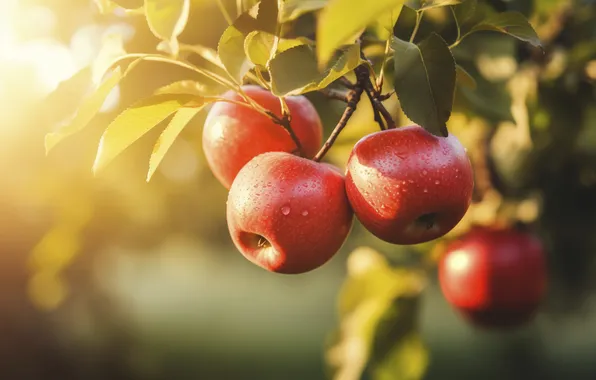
{"type": "Point", "coordinates": [375, 99]}
{"type": "Point", "coordinates": [352, 97]}
{"type": "Point", "coordinates": [284, 121]}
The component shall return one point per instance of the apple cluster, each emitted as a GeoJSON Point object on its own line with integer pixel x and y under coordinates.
{"type": "Point", "coordinates": [291, 214]}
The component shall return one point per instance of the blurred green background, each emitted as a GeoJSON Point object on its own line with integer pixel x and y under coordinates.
{"type": "Point", "coordinates": [110, 277]}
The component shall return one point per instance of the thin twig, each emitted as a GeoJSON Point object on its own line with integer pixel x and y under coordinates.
{"type": "Point", "coordinates": [285, 122]}
{"type": "Point", "coordinates": [332, 93]}
{"type": "Point", "coordinates": [346, 83]}
{"type": "Point", "coordinates": [383, 97]}
{"type": "Point", "coordinates": [374, 96]}
{"type": "Point", "coordinates": [353, 98]}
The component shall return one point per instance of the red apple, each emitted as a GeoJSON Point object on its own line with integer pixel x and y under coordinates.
{"type": "Point", "coordinates": [288, 214]}
{"type": "Point", "coordinates": [234, 134]}
{"type": "Point", "coordinates": [495, 277]}
{"type": "Point", "coordinates": [408, 186]}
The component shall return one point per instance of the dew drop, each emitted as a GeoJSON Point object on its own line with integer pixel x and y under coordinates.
{"type": "Point", "coordinates": [425, 190]}
{"type": "Point", "coordinates": [383, 207]}
{"type": "Point", "coordinates": [305, 213]}
{"type": "Point", "coordinates": [424, 172]}
{"type": "Point", "coordinates": [285, 210]}
{"type": "Point", "coordinates": [411, 181]}
{"type": "Point", "coordinates": [437, 182]}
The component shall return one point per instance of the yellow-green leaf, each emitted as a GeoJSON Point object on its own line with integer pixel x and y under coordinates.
{"type": "Point", "coordinates": [267, 16]}
{"type": "Point", "coordinates": [341, 20]}
{"type": "Point", "coordinates": [513, 23]}
{"type": "Point", "coordinates": [167, 19]}
{"type": "Point", "coordinates": [295, 71]}
{"type": "Point", "coordinates": [134, 122]}
{"type": "Point", "coordinates": [292, 9]}
{"type": "Point", "coordinates": [187, 86]}
{"type": "Point", "coordinates": [86, 111]}
{"type": "Point", "coordinates": [463, 78]}
{"type": "Point", "coordinates": [182, 117]}
{"type": "Point", "coordinates": [429, 4]}
{"type": "Point", "coordinates": [231, 47]}
{"type": "Point", "coordinates": [261, 46]}
{"type": "Point", "coordinates": [61, 103]}
{"type": "Point", "coordinates": [383, 25]}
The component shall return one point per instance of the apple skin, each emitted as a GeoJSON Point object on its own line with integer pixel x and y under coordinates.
{"type": "Point", "coordinates": [234, 134]}
{"type": "Point", "coordinates": [496, 278]}
{"type": "Point", "coordinates": [408, 186]}
{"type": "Point", "coordinates": [288, 214]}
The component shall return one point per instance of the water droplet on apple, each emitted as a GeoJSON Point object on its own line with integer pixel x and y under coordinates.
{"type": "Point", "coordinates": [411, 181]}
{"type": "Point", "coordinates": [285, 210]}
{"type": "Point", "coordinates": [425, 190]}
{"type": "Point", "coordinates": [383, 207]}
{"type": "Point", "coordinates": [424, 172]}
{"type": "Point", "coordinates": [437, 182]}
{"type": "Point", "coordinates": [305, 213]}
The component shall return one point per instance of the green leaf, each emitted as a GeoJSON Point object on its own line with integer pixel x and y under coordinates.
{"type": "Point", "coordinates": [134, 122]}
{"type": "Point", "coordinates": [406, 21]}
{"type": "Point", "coordinates": [182, 117]}
{"type": "Point", "coordinates": [378, 306]}
{"type": "Point", "coordinates": [464, 11]}
{"type": "Point", "coordinates": [267, 16]}
{"type": "Point", "coordinates": [261, 46]}
{"type": "Point", "coordinates": [87, 110]}
{"type": "Point", "coordinates": [512, 23]}
{"type": "Point", "coordinates": [167, 19]}
{"type": "Point", "coordinates": [208, 54]}
{"type": "Point", "coordinates": [231, 47]}
{"type": "Point", "coordinates": [429, 4]}
{"type": "Point", "coordinates": [341, 20]}
{"type": "Point", "coordinates": [295, 71]}
{"type": "Point", "coordinates": [424, 81]}
{"type": "Point", "coordinates": [408, 359]}
{"type": "Point", "coordinates": [463, 78]}
{"type": "Point", "coordinates": [292, 9]}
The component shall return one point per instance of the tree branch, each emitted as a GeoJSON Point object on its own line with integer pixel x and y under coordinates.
{"type": "Point", "coordinates": [332, 93]}
{"type": "Point", "coordinates": [375, 97]}
{"type": "Point", "coordinates": [353, 97]}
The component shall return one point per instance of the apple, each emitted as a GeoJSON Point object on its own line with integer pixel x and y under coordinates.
{"type": "Point", "coordinates": [408, 186]}
{"type": "Point", "coordinates": [494, 277]}
{"type": "Point", "coordinates": [233, 134]}
{"type": "Point", "coordinates": [288, 214]}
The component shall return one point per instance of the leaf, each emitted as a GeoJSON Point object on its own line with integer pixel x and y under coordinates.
{"type": "Point", "coordinates": [404, 26]}
{"type": "Point", "coordinates": [295, 71]}
{"type": "Point", "coordinates": [60, 104]}
{"type": "Point", "coordinates": [464, 11]}
{"type": "Point", "coordinates": [463, 78]}
{"type": "Point", "coordinates": [208, 54]}
{"type": "Point", "coordinates": [231, 47]}
{"type": "Point", "coordinates": [512, 23]}
{"type": "Point", "coordinates": [87, 110]}
{"type": "Point", "coordinates": [383, 25]}
{"type": "Point", "coordinates": [108, 6]}
{"type": "Point", "coordinates": [167, 19]}
{"type": "Point", "coordinates": [183, 87]}
{"type": "Point", "coordinates": [378, 310]}
{"type": "Point", "coordinates": [292, 9]}
{"type": "Point", "coordinates": [408, 359]}
{"type": "Point", "coordinates": [341, 20]}
{"type": "Point", "coordinates": [261, 46]}
{"type": "Point", "coordinates": [182, 117]}
{"type": "Point", "coordinates": [134, 122]}
{"type": "Point", "coordinates": [424, 81]}
{"type": "Point", "coordinates": [430, 4]}
{"type": "Point", "coordinates": [267, 16]}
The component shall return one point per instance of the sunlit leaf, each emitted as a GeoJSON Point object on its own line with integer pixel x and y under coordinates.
{"type": "Point", "coordinates": [88, 109]}
{"type": "Point", "coordinates": [261, 46]}
{"type": "Point", "coordinates": [134, 122]}
{"type": "Point", "coordinates": [383, 25]}
{"type": "Point", "coordinates": [181, 118]}
{"type": "Point", "coordinates": [61, 103]}
{"type": "Point", "coordinates": [231, 47]}
{"type": "Point", "coordinates": [207, 53]}
{"type": "Point", "coordinates": [429, 4]}
{"type": "Point", "coordinates": [295, 71]}
{"type": "Point", "coordinates": [341, 20]}
{"type": "Point", "coordinates": [167, 19]}
{"type": "Point", "coordinates": [464, 11]}
{"type": "Point", "coordinates": [108, 6]}
{"type": "Point", "coordinates": [424, 81]}
{"type": "Point", "coordinates": [512, 23]}
{"type": "Point", "coordinates": [292, 9]}
{"type": "Point", "coordinates": [188, 87]}
{"type": "Point", "coordinates": [463, 78]}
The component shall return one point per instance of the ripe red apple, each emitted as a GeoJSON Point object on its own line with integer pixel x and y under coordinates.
{"type": "Point", "coordinates": [288, 214]}
{"type": "Point", "coordinates": [495, 277]}
{"type": "Point", "coordinates": [408, 186]}
{"type": "Point", "coordinates": [234, 134]}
